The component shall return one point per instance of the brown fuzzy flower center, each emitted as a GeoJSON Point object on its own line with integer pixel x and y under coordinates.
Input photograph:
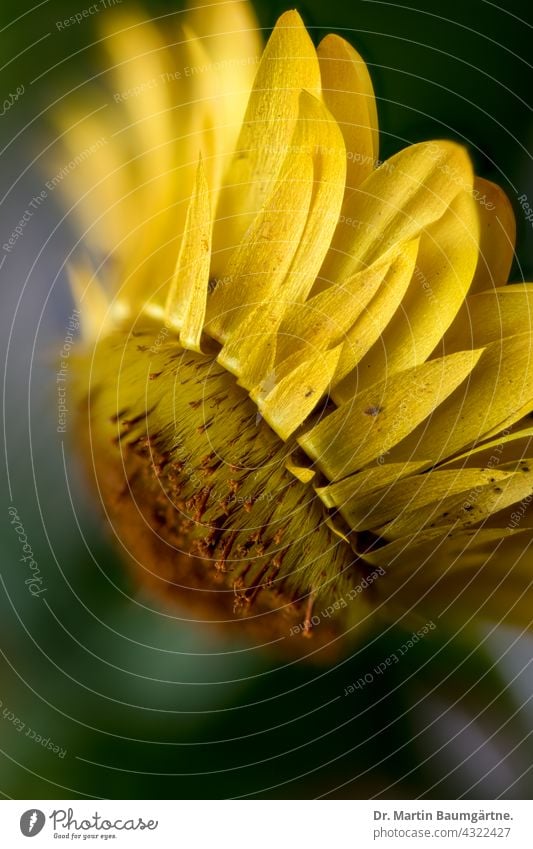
{"type": "Point", "coordinates": [196, 486]}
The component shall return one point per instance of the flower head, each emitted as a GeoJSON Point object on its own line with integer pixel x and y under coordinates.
{"type": "Point", "coordinates": [305, 380]}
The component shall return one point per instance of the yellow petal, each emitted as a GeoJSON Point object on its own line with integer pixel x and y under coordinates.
{"type": "Point", "coordinates": [373, 422]}
{"type": "Point", "coordinates": [445, 264]}
{"type": "Point", "coordinates": [139, 56]}
{"type": "Point", "coordinates": [288, 65]}
{"type": "Point", "coordinates": [278, 260]}
{"type": "Point", "coordinates": [516, 414]}
{"type": "Point", "coordinates": [492, 315]}
{"type": "Point", "coordinates": [427, 497]}
{"type": "Point", "coordinates": [396, 202]}
{"type": "Point", "coordinates": [497, 394]}
{"type": "Point", "coordinates": [321, 134]}
{"type": "Point", "coordinates": [487, 492]}
{"type": "Point", "coordinates": [370, 325]}
{"type": "Point", "coordinates": [162, 130]}
{"type": "Point", "coordinates": [505, 448]}
{"type": "Point", "coordinates": [348, 94]}
{"type": "Point", "coordinates": [362, 483]}
{"type": "Point", "coordinates": [206, 129]}
{"type": "Point", "coordinates": [498, 234]}
{"type": "Point", "coordinates": [140, 59]}
{"type": "Point", "coordinates": [458, 575]}
{"type": "Point", "coordinates": [231, 38]}
{"type": "Point", "coordinates": [186, 301]}
{"type": "Point", "coordinates": [316, 140]}
{"type": "Point", "coordinates": [231, 32]}
{"type": "Point", "coordinates": [437, 550]}
{"type": "Point", "coordinates": [289, 403]}
{"type": "Point", "coordinates": [91, 166]}
{"type": "Point", "coordinates": [262, 260]}
{"type": "Point", "coordinates": [326, 317]}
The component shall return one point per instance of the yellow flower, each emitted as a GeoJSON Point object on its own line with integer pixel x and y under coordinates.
{"type": "Point", "coordinates": [306, 385]}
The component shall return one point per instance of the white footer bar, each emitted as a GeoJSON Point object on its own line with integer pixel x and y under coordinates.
{"type": "Point", "coordinates": [271, 824]}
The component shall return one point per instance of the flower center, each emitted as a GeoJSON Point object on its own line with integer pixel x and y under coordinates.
{"type": "Point", "coordinates": [221, 517]}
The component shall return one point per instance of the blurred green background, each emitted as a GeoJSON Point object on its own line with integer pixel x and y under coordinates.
{"type": "Point", "coordinates": [141, 704]}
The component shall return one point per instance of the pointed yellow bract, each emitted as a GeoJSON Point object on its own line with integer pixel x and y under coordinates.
{"type": "Point", "coordinates": [295, 395]}
{"type": "Point", "coordinates": [370, 424]}
{"type": "Point", "coordinates": [261, 262]}
{"type": "Point", "coordinates": [288, 65]}
{"type": "Point", "coordinates": [497, 236]}
{"type": "Point", "coordinates": [318, 133]}
{"type": "Point", "coordinates": [373, 321]}
{"type": "Point", "coordinates": [399, 199]}
{"type": "Point", "coordinates": [486, 492]}
{"type": "Point", "coordinates": [492, 315]}
{"type": "Point", "coordinates": [445, 264]}
{"type": "Point", "coordinates": [362, 483]}
{"type": "Point", "coordinates": [187, 296]}
{"type": "Point", "coordinates": [232, 45]}
{"type": "Point", "coordinates": [498, 393]}
{"type": "Point", "coordinates": [326, 317]}
{"type": "Point", "coordinates": [348, 93]}
{"type": "Point", "coordinates": [283, 249]}
{"type": "Point", "coordinates": [423, 495]}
